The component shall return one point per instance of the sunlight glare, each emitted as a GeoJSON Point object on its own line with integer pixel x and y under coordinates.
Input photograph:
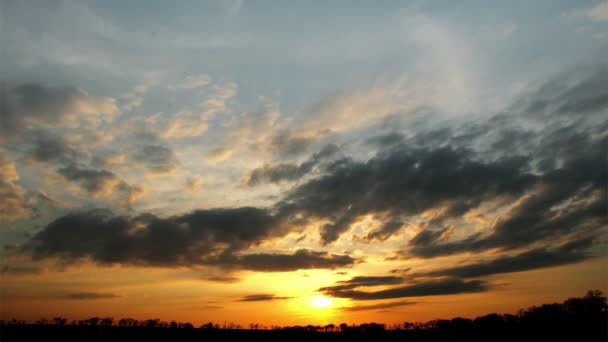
{"type": "Point", "coordinates": [320, 302]}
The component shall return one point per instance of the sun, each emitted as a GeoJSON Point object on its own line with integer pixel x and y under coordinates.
{"type": "Point", "coordinates": [320, 302]}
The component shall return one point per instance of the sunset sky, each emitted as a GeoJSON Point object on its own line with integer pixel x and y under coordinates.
{"type": "Point", "coordinates": [301, 162]}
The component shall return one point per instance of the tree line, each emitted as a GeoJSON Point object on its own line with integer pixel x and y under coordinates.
{"type": "Point", "coordinates": [585, 316]}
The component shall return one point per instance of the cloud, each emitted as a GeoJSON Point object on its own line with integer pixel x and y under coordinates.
{"type": "Point", "coordinates": [531, 178]}
{"type": "Point", "coordinates": [188, 239]}
{"type": "Point", "coordinates": [386, 230]}
{"type": "Point", "coordinates": [35, 106]}
{"type": "Point", "coordinates": [155, 158]}
{"type": "Point", "coordinates": [378, 306]}
{"type": "Point", "coordinates": [539, 216]}
{"type": "Point", "coordinates": [248, 130]}
{"type": "Point", "coordinates": [278, 173]}
{"type": "Point", "coordinates": [426, 288]}
{"type": "Point", "coordinates": [194, 81]}
{"type": "Point", "coordinates": [571, 252]}
{"type": "Point", "coordinates": [218, 102]}
{"type": "Point", "coordinates": [203, 237]}
{"type": "Point", "coordinates": [223, 279]}
{"type": "Point", "coordinates": [14, 204]}
{"type": "Point", "coordinates": [102, 183]}
{"type": "Point", "coordinates": [386, 140]}
{"type": "Point", "coordinates": [52, 148]}
{"type": "Point", "coordinates": [95, 182]}
{"type": "Point", "coordinates": [51, 201]}
{"type": "Point", "coordinates": [301, 259]}
{"type": "Point", "coordinates": [185, 125]}
{"type": "Point", "coordinates": [261, 298]}
{"type": "Point", "coordinates": [452, 171]}
{"type": "Point", "coordinates": [349, 110]}
{"type": "Point", "coordinates": [405, 181]}
{"type": "Point", "coordinates": [90, 296]}
{"type": "Point", "coordinates": [220, 154]}
{"type": "Point", "coordinates": [363, 281]}
{"type": "Point", "coordinates": [426, 237]}
{"type": "Point", "coordinates": [20, 270]}
{"type": "Point", "coordinates": [286, 143]}
{"type": "Point", "coordinates": [289, 171]}
{"type": "Point", "coordinates": [577, 92]}
{"type": "Point", "coordinates": [131, 101]}
{"type": "Point", "coordinates": [599, 12]}
{"type": "Point", "coordinates": [194, 183]}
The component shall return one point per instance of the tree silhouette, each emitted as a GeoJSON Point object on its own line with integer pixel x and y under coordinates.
{"type": "Point", "coordinates": [575, 318]}
{"type": "Point", "coordinates": [108, 321]}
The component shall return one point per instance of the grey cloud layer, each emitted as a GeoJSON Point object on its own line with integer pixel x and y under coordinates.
{"type": "Point", "coordinates": [550, 175]}
{"type": "Point", "coordinates": [458, 169]}
{"type": "Point", "coordinates": [420, 289]}
{"type": "Point", "coordinates": [203, 237]}
{"type": "Point", "coordinates": [569, 253]}
{"type": "Point", "coordinates": [301, 259]}
{"type": "Point", "coordinates": [405, 182]}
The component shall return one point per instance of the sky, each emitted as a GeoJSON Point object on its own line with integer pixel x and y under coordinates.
{"type": "Point", "coordinates": [303, 162]}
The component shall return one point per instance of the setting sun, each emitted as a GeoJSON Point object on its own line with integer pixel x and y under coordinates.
{"type": "Point", "coordinates": [320, 302]}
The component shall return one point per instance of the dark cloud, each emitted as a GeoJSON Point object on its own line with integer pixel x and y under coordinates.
{"type": "Point", "coordinates": [261, 298]}
{"type": "Point", "coordinates": [384, 232]}
{"type": "Point", "coordinates": [569, 253]}
{"type": "Point", "coordinates": [540, 160]}
{"type": "Point", "coordinates": [102, 183]}
{"type": "Point", "coordinates": [405, 181]}
{"type": "Point", "coordinates": [549, 172]}
{"type": "Point", "coordinates": [426, 237]}
{"type": "Point", "coordinates": [156, 158]}
{"type": "Point", "coordinates": [90, 295]}
{"type": "Point", "coordinates": [20, 270]}
{"type": "Point", "coordinates": [94, 181]}
{"type": "Point", "coordinates": [378, 306]}
{"type": "Point", "coordinates": [564, 200]}
{"type": "Point", "coordinates": [146, 239]}
{"type": "Point", "coordinates": [289, 171]}
{"type": "Point", "coordinates": [288, 144]}
{"type": "Point", "coordinates": [427, 288]}
{"type": "Point", "coordinates": [223, 279]}
{"type": "Point", "coordinates": [202, 237]}
{"type": "Point", "coordinates": [51, 148]}
{"type": "Point", "coordinates": [401, 270]}
{"type": "Point", "coordinates": [301, 259]}
{"type": "Point", "coordinates": [386, 140]}
{"type": "Point", "coordinates": [278, 173]}
{"type": "Point", "coordinates": [581, 91]}
{"type": "Point", "coordinates": [363, 281]}
{"type": "Point", "coordinates": [30, 106]}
